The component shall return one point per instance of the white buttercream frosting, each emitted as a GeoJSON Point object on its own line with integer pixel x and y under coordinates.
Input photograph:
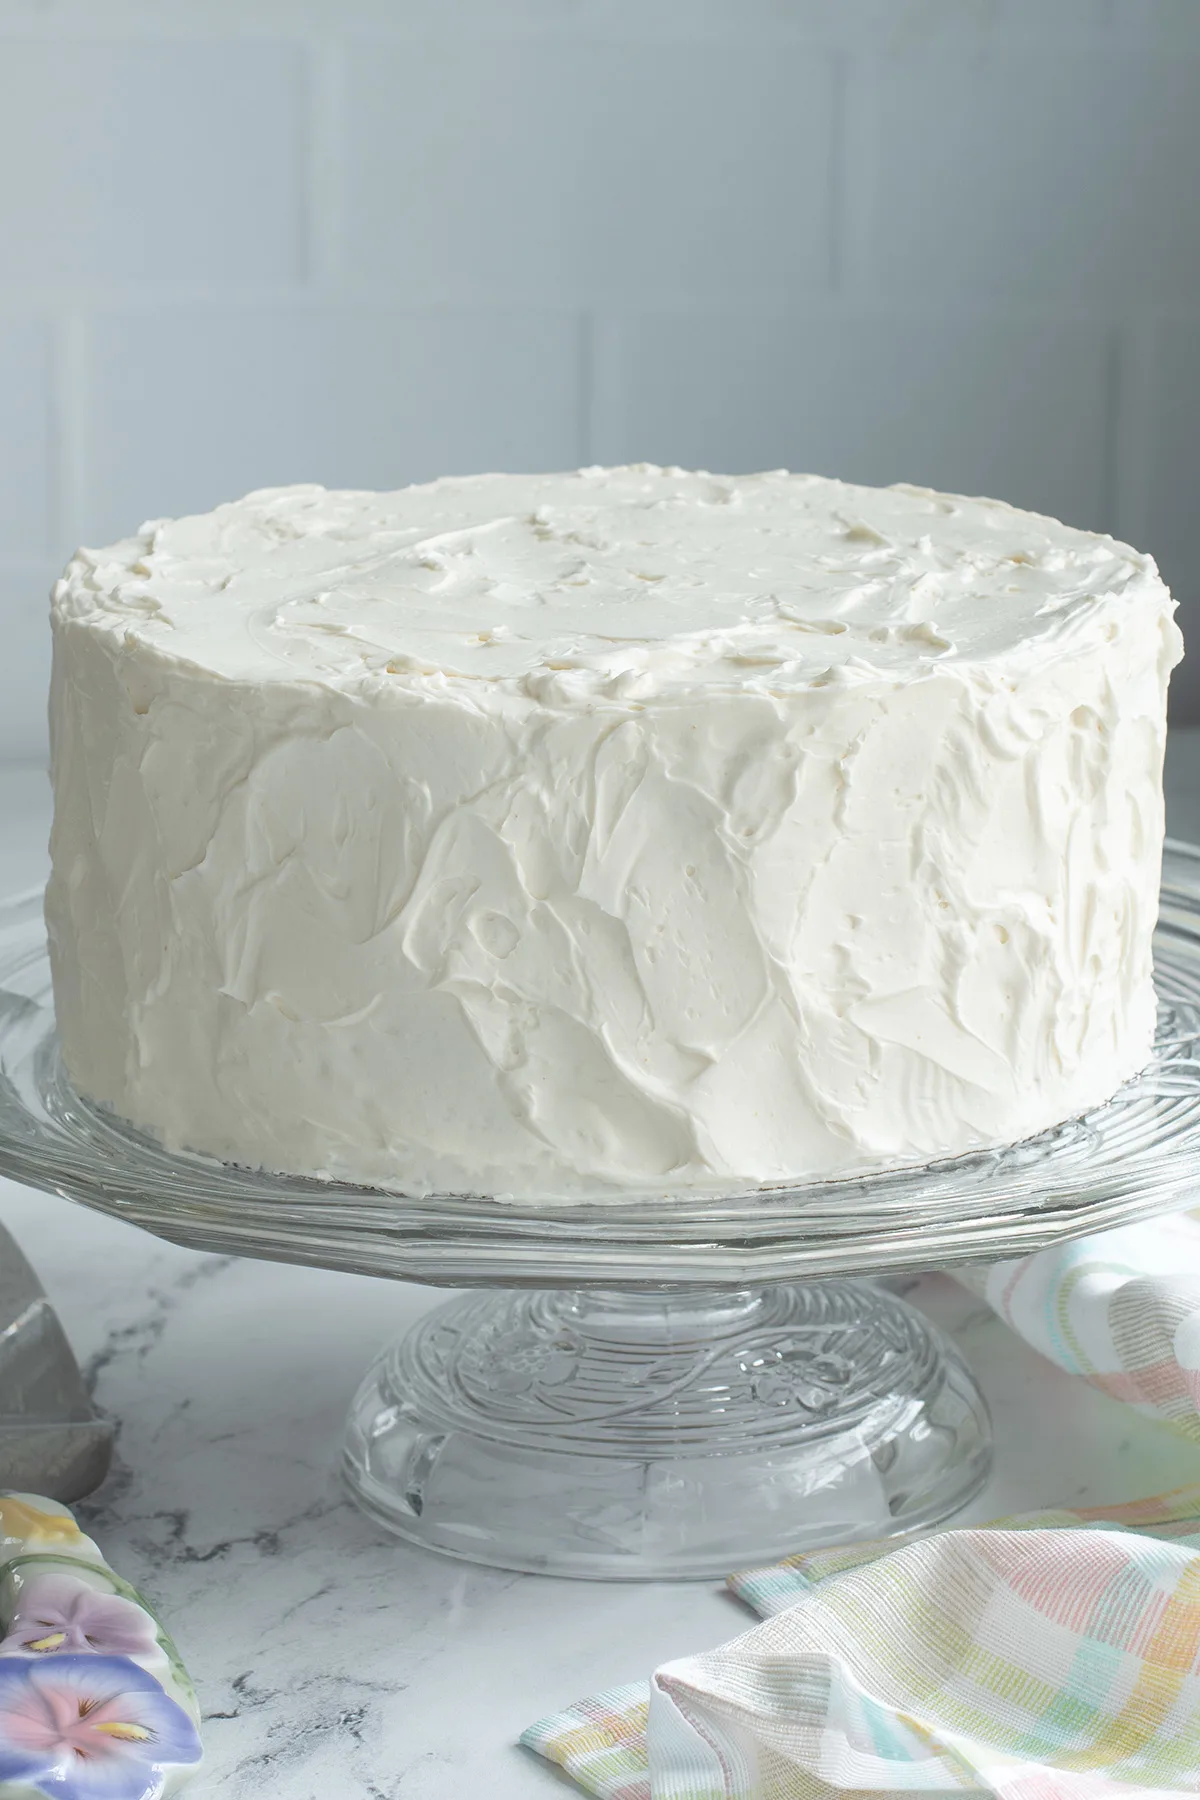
{"type": "Point", "coordinates": [569, 834]}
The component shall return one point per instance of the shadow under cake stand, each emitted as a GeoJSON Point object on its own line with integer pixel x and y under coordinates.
{"type": "Point", "coordinates": [672, 1386]}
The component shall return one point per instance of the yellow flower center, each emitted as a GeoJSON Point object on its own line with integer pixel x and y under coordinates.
{"type": "Point", "coordinates": [128, 1733]}
{"type": "Point", "coordinates": [48, 1643]}
{"type": "Point", "coordinates": [20, 1520]}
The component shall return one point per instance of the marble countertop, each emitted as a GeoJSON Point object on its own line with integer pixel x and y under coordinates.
{"type": "Point", "coordinates": [330, 1660]}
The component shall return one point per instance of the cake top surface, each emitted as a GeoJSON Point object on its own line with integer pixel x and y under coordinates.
{"type": "Point", "coordinates": [627, 581]}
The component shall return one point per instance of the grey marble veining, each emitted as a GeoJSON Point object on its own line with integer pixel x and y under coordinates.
{"type": "Point", "coordinates": [332, 1662]}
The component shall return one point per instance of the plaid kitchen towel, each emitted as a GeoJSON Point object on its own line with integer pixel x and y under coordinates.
{"type": "Point", "coordinates": [1122, 1309]}
{"type": "Point", "coordinates": [1052, 1657]}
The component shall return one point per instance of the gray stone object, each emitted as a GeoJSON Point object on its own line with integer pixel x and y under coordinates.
{"type": "Point", "coordinates": [51, 1441]}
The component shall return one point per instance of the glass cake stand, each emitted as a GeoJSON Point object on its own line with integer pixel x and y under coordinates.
{"type": "Point", "coordinates": [667, 1386]}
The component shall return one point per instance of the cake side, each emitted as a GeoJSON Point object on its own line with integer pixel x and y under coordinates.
{"type": "Point", "coordinates": [727, 915]}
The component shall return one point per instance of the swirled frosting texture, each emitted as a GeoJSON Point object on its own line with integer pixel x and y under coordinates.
{"type": "Point", "coordinates": [558, 836]}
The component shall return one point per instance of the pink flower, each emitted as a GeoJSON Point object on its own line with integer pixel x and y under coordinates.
{"type": "Point", "coordinates": [89, 1728]}
{"type": "Point", "coordinates": [61, 1613]}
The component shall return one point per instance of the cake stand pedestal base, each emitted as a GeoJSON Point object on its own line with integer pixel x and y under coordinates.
{"type": "Point", "coordinates": [672, 1433]}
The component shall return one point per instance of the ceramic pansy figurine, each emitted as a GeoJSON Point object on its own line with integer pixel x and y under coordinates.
{"type": "Point", "coordinates": [94, 1701]}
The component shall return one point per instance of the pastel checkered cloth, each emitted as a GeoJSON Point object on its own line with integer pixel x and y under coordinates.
{"type": "Point", "coordinates": [1121, 1309]}
{"type": "Point", "coordinates": [1051, 1657]}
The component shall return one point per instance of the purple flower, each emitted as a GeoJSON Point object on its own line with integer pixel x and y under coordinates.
{"type": "Point", "coordinates": [89, 1728]}
{"type": "Point", "coordinates": [61, 1613]}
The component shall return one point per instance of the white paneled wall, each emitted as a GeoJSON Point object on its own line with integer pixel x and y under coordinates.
{"type": "Point", "coordinates": [184, 405]}
{"type": "Point", "coordinates": [368, 241]}
{"type": "Point", "coordinates": [133, 164]}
